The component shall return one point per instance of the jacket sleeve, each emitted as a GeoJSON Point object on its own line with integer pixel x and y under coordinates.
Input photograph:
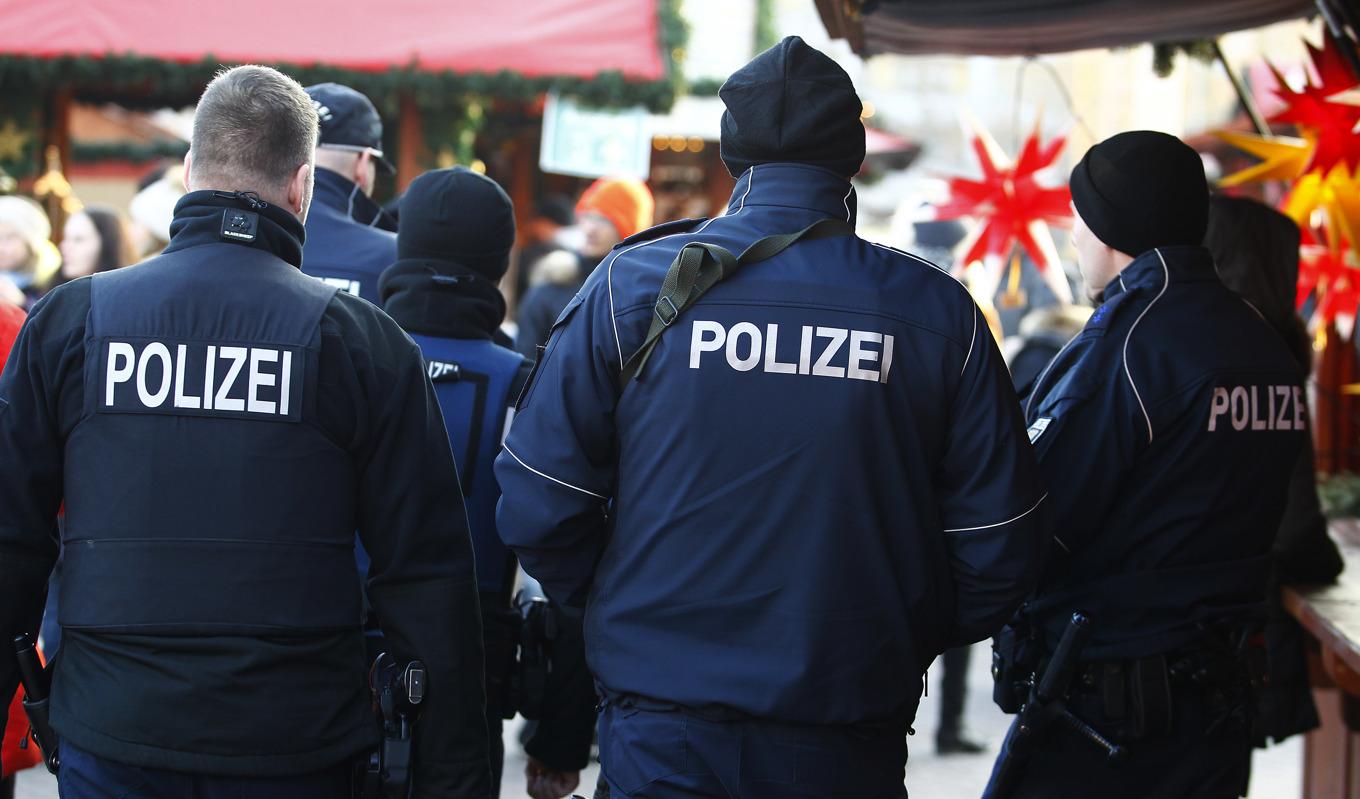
{"type": "Point", "coordinates": [1086, 431]}
{"type": "Point", "coordinates": [31, 445]}
{"type": "Point", "coordinates": [991, 500]}
{"type": "Point", "coordinates": [557, 470]}
{"type": "Point", "coordinates": [421, 581]}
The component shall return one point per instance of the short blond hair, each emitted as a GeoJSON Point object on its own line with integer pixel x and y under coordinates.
{"type": "Point", "coordinates": [254, 126]}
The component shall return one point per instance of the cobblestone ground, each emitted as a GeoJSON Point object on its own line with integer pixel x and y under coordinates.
{"type": "Point", "coordinates": [1276, 773]}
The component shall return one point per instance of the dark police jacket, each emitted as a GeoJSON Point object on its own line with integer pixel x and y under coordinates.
{"type": "Point", "coordinates": [1167, 431]}
{"type": "Point", "coordinates": [820, 482]}
{"type": "Point", "coordinates": [219, 425]}
{"type": "Point", "coordinates": [345, 247]}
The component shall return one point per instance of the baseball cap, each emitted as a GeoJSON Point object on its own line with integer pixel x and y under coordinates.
{"type": "Point", "coordinates": [348, 121]}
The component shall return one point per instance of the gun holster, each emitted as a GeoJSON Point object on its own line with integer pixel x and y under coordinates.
{"type": "Point", "coordinates": [397, 694]}
{"type": "Point", "coordinates": [37, 681]}
{"type": "Point", "coordinates": [540, 627]}
{"type": "Point", "coordinates": [1013, 668]}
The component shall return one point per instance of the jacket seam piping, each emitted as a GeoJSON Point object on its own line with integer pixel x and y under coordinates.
{"type": "Point", "coordinates": [550, 477]}
{"type": "Point", "coordinates": [1165, 284]}
{"type": "Point", "coordinates": [999, 524]}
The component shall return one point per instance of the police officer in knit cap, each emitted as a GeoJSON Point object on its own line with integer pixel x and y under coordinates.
{"type": "Point", "coordinates": [350, 239]}
{"type": "Point", "coordinates": [457, 228]}
{"type": "Point", "coordinates": [218, 426]}
{"type": "Point", "coordinates": [1166, 431]}
{"type": "Point", "coordinates": [781, 483]}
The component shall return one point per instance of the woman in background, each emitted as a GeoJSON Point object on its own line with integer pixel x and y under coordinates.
{"type": "Point", "coordinates": [95, 239]}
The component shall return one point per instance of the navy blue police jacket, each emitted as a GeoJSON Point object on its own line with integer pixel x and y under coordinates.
{"type": "Point", "coordinates": [1167, 431]}
{"type": "Point", "coordinates": [219, 425]}
{"type": "Point", "coordinates": [819, 483]}
{"type": "Point", "coordinates": [345, 246]}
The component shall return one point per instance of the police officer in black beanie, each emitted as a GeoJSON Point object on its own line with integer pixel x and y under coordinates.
{"type": "Point", "coordinates": [818, 482]}
{"type": "Point", "coordinates": [1166, 431]}
{"type": "Point", "coordinates": [457, 228]}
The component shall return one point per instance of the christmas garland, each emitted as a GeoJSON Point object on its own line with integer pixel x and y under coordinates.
{"type": "Point", "coordinates": [136, 81]}
{"type": "Point", "coordinates": [128, 152]}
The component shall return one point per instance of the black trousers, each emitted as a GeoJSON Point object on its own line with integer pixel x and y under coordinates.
{"type": "Point", "coordinates": [953, 690]}
{"type": "Point", "coordinates": [1201, 758]}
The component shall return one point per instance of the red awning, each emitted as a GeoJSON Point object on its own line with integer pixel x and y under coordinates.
{"type": "Point", "coordinates": [545, 37]}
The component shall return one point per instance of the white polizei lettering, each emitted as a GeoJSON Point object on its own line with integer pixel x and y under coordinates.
{"type": "Point", "coordinates": [772, 363]}
{"type": "Point", "coordinates": [257, 378]}
{"type": "Point", "coordinates": [700, 342]}
{"type": "Point", "coordinates": [285, 381]}
{"type": "Point", "coordinates": [209, 367]}
{"type": "Point", "coordinates": [182, 400]}
{"type": "Point", "coordinates": [1257, 423]}
{"type": "Point", "coordinates": [1243, 405]}
{"type": "Point", "coordinates": [1217, 407]}
{"type": "Point", "coordinates": [115, 374]}
{"type": "Point", "coordinates": [154, 350]}
{"type": "Point", "coordinates": [805, 352]}
{"type": "Point", "coordinates": [858, 355]}
{"type": "Point", "coordinates": [748, 347]}
{"type": "Point", "coordinates": [823, 367]}
{"type": "Point", "coordinates": [1239, 403]}
{"type": "Point", "coordinates": [733, 343]}
{"type": "Point", "coordinates": [238, 359]}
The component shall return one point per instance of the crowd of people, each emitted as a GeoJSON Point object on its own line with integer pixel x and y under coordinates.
{"type": "Point", "coordinates": [765, 471]}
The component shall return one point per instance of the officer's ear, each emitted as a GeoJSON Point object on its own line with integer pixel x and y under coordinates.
{"type": "Point", "coordinates": [365, 172]}
{"type": "Point", "coordinates": [300, 191]}
{"type": "Point", "coordinates": [188, 169]}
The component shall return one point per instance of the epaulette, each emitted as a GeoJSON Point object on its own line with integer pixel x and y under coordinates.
{"type": "Point", "coordinates": [664, 229]}
{"type": "Point", "coordinates": [1105, 313]}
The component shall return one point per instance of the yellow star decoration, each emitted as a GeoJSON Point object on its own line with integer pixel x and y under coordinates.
{"type": "Point", "coordinates": [12, 142]}
{"type": "Point", "coordinates": [1282, 157]}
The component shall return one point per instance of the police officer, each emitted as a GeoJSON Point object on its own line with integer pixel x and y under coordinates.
{"type": "Point", "coordinates": [350, 239]}
{"type": "Point", "coordinates": [457, 229]}
{"type": "Point", "coordinates": [1167, 431]}
{"type": "Point", "coordinates": [817, 483]}
{"type": "Point", "coordinates": [219, 425]}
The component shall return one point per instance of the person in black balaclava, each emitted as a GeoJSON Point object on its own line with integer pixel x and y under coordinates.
{"type": "Point", "coordinates": [457, 228]}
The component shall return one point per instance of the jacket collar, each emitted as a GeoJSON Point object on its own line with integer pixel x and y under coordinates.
{"type": "Point", "coordinates": [1164, 266]}
{"type": "Point", "coordinates": [790, 185]}
{"type": "Point", "coordinates": [441, 299]}
{"type": "Point", "coordinates": [344, 196]}
{"type": "Point", "coordinates": [199, 220]}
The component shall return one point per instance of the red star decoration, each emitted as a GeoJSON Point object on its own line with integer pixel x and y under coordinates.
{"type": "Point", "coordinates": [1324, 270]}
{"type": "Point", "coordinates": [1009, 199]}
{"type": "Point", "coordinates": [1314, 111]}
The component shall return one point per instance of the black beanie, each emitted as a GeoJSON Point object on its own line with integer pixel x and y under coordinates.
{"type": "Point", "coordinates": [792, 104]}
{"type": "Point", "coordinates": [456, 216]}
{"type": "Point", "coordinates": [1141, 190]}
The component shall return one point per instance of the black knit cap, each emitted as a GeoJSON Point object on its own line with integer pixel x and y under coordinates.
{"type": "Point", "coordinates": [1140, 190]}
{"type": "Point", "coordinates": [456, 216]}
{"type": "Point", "coordinates": [793, 104]}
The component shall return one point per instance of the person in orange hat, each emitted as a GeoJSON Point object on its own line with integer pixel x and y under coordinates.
{"type": "Point", "coordinates": [609, 211]}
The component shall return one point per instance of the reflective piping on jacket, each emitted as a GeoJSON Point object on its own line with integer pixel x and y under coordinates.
{"type": "Point", "coordinates": [944, 272]}
{"type": "Point", "coordinates": [609, 271]}
{"type": "Point", "coordinates": [1039, 382]}
{"type": "Point", "coordinates": [846, 201]}
{"type": "Point", "coordinates": [971, 343]}
{"type": "Point", "coordinates": [999, 524]}
{"type": "Point", "coordinates": [1165, 284]}
{"type": "Point", "coordinates": [550, 477]}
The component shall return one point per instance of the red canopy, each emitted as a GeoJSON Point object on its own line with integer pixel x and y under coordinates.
{"type": "Point", "coordinates": [545, 37]}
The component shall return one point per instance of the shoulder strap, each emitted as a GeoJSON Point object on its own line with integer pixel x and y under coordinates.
{"type": "Point", "coordinates": [698, 266]}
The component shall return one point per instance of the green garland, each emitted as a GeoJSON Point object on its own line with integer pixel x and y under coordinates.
{"type": "Point", "coordinates": [1164, 54]}
{"type": "Point", "coordinates": [129, 152]}
{"type": "Point", "coordinates": [136, 81]}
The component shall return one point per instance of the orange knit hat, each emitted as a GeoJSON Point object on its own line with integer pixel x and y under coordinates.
{"type": "Point", "coordinates": [626, 202]}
